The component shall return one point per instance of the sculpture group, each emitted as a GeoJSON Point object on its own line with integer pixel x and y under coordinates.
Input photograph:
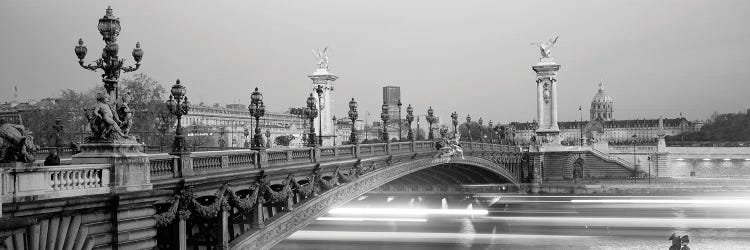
{"type": "Point", "coordinates": [449, 145]}
{"type": "Point", "coordinates": [16, 143]}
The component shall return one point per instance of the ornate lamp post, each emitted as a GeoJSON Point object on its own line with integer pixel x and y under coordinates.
{"type": "Point", "coordinates": [468, 125]}
{"type": "Point", "coordinates": [246, 132]}
{"type": "Point", "coordinates": [430, 120]}
{"type": "Point", "coordinates": [384, 116]}
{"type": "Point", "coordinates": [222, 142]}
{"type": "Point", "coordinates": [195, 136]}
{"type": "Point", "coordinates": [454, 119]}
{"type": "Point", "coordinates": [110, 63]}
{"type": "Point", "coordinates": [481, 132]}
{"type": "Point", "coordinates": [311, 113]}
{"type": "Point", "coordinates": [409, 119]}
{"type": "Point", "coordinates": [333, 119]}
{"type": "Point", "coordinates": [353, 116]}
{"type": "Point", "coordinates": [268, 138]}
{"type": "Point", "coordinates": [319, 91]}
{"type": "Point", "coordinates": [492, 133]}
{"type": "Point", "coordinates": [399, 119]}
{"type": "Point", "coordinates": [178, 107]}
{"type": "Point", "coordinates": [257, 109]}
{"type": "Point", "coordinates": [58, 127]}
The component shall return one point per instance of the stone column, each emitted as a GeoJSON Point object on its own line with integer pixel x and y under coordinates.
{"type": "Point", "coordinates": [321, 77]}
{"type": "Point", "coordinates": [546, 80]}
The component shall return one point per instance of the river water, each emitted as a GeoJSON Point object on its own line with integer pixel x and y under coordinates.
{"type": "Point", "coordinates": [502, 221]}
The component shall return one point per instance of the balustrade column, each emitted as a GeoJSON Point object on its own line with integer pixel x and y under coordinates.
{"type": "Point", "coordinates": [258, 222]}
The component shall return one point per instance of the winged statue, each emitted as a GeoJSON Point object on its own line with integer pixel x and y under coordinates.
{"type": "Point", "coordinates": [322, 58]}
{"type": "Point", "coordinates": [545, 47]}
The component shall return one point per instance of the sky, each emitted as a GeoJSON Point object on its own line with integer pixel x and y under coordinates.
{"type": "Point", "coordinates": [473, 57]}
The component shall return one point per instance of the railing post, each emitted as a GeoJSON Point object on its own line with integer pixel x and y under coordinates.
{"type": "Point", "coordinates": [413, 146]}
{"type": "Point", "coordinates": [315, 154]}
{"type": "Point", "coordinates": [184, 165]}
{"type": "Point", "coordinates": [355, 150]}
{"type": "Point", "coordinates": [388, 148]}
{"type": "Point", "coordinates": [262, 158]}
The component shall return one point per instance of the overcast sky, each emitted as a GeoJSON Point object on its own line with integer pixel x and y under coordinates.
{"type": "Point", "coordinates": [656, 57]}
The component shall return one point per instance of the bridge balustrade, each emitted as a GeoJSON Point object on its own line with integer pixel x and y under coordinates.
{"type": "Point", "coordinates": [37, 183]}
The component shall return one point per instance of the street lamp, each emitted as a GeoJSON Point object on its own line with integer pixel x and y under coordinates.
{"type": "Point", "coordinates": [409, 119]}
{"type": "Point", "coordinates": [58, 127]}
{"type": "Point", "coordinates": [454, 118]}
{"type": "Point", "coordinates": [257, 109]}
{"type": "Point", "coordinates": [110, 63]}
{"type": "Point", "coordinates": [384, 116]}
{"type": "Point", "coordinates": [430, 120]}
{"type": "Point", "coordinates": [399, 119]}
{"type": "Point", "coordinates": [492, 133]}
{"type": "Point", "coordinates": [635, 167]}
{"type": "Point", "coordinates": [246, 132]}
{"type": "Point", "coordinates": [481, 133]}
{"type": "Point", "coordinates": [353, 116]}
{"type": "Point", "coordinates": [268, 138]}
{"type": "Point", "coordinates": [178, 106]}
{"type": "Point", "coordinates": [222, 142]}
{"type": "Point", "coordinates": [334, 129]}
{"type": "Point", "coordinates": [468, 125]}
{"type": "Point", "coordinates": [195, 135]}
{"type": "Point", "coordinates": [311, 113]}
{"type": "Point", "coordinates": [319, 90]}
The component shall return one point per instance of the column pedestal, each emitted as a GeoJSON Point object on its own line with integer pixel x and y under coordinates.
{"type": "Point", "coordinates": [130, 167]}
{"type": "Point", "coordinates": [548, 131]}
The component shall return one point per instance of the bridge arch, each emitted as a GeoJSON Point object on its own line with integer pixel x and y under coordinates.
{"type": "Point", "coordinates": [307, 211]}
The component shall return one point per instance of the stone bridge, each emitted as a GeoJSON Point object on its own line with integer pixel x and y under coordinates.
{"type": "Point", "coordinates": [238, 199]}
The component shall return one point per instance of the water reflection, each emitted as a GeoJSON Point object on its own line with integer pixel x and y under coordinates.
{"type": "Point", "coordinates": [531, 222]}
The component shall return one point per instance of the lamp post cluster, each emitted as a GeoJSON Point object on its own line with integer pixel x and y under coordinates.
{"type": "Point", "coordinates": [58, 127]}
{"type": "Point", "coordinates": [109, 62]}
{"type": "Point", "coordinates": [409, 119]}
{"type": "Point", "coordinates": [481, 133]}
{"type": "Point", "coordinates": [431, 119]}
{"type": "Point", "coordinates": [385, 117]}
{"type": "Point", "coordinates": [178, 105]}
{"type": "Point", "coordinates": [257, 109]}
{"type": "Point", "coordinates": [311, 112]}
{"type": "Point", "coordinates": [353, 116]}
{"type": "Point", "coordinates": [400, 123]}
{"type": "Point", "coordinates": [319, 91]}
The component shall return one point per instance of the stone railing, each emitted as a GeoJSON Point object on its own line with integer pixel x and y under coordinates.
{"type": "Point", "coordinates": [612, 158]}
{"type": "Point", "coordinates": [167, 166]}
{"type": "Point", "coordinates": [37, 183]}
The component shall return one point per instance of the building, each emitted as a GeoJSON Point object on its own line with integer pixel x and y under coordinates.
{"type": "Point", "coordinates": [392, 97]}
{"type": "Point", "coordinates": [230, 123]}
{"type": "Point", "coordinates": [603, 126]}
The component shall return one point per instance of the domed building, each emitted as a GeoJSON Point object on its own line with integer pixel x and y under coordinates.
{"type": "Point", "coordinates": [601, 105]}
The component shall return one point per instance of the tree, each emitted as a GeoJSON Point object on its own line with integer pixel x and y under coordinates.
{"type": "Point", "coordinates": [150, 114]}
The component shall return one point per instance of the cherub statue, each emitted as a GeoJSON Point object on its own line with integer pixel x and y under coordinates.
{"type": "Point", "coordinates": [456, 146]}
{"type": "Point", "coordinates": [103, 121]}
{"type": "Point", "coordinates": [545, 47]}
{"type": "Point", "coordinates": [125, 113]}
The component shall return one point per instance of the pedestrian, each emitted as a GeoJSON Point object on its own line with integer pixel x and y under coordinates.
{"type": "Point", "coordinates": [685, 241]}
{"type": "Point", "coordinates": [52, 159]}
{"type": "Point", "coordinates": [676, 242]}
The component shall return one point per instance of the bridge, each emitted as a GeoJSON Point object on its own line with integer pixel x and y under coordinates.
{"type": "Point", "coordinates": [238, 199]}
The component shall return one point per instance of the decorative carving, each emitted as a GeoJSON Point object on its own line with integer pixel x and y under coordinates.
{"type": "Point", "coordinates": [125, 114]}
{"type": "Point", "coordinates": [16, 143]}
{"type": "Point", "coordinates": [546, 92]}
